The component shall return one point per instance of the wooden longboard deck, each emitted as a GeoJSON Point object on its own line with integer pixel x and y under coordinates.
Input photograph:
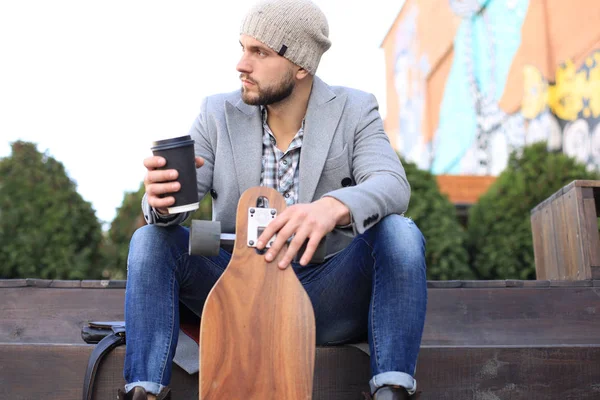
{"type": "Point", "coordinates": [257, 332]}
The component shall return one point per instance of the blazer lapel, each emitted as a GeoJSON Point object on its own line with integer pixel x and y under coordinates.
{"type": "Point", "coordinates": [244, 125]}
{"type": "Point", "coordinates": [322, 117]}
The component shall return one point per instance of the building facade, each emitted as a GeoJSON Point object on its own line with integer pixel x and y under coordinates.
{"type": "Point", "coordinates": [470, 81]}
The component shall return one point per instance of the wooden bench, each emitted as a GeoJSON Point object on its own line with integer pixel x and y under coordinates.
{"type": "Point", "coordinates": [565, 233]}
{"type": "Point", "coordinates": [482, 340]}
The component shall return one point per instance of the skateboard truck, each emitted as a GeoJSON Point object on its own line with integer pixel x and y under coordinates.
{"type": "Point", "coordinates": [258, 219]}
{"type": "Point", "coordinates": [206, 237]}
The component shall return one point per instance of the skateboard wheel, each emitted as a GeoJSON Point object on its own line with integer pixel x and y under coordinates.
{"type": "Point", "coordinates": [205, 238]}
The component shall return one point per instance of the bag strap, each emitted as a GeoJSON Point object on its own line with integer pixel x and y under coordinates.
{"type": "Point", "coordinates": [117, 338]}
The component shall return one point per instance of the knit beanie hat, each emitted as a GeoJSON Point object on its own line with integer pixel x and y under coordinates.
{"type": "Point", "coordinates": [296, 29]}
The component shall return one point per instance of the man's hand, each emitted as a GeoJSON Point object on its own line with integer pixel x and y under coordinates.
{"type": "Point", "coordinates": [304, 221]}
{"type": "Point", "coordinates": [159, 182]}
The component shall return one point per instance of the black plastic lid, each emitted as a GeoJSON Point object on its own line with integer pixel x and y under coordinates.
{"type": "Point", "coordinates": [172, 143]}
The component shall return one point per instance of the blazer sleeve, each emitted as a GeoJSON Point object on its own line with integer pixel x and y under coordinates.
{"type": "Point", "coordinates": [381, 186]}
{"type": "Point", "coordinates": [202, 148]}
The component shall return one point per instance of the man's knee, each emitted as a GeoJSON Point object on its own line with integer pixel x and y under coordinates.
{"type": "Point", "coordinates": [401, 239]}
{"type": "Point", "coordinates": [151, 243]}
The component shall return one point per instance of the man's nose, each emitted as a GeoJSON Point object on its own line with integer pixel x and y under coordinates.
{"type": "Point", "coordinates": [244, 66]}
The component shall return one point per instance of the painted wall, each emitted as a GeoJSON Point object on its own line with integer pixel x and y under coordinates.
{"type": "Point", "coordinates": [471, 80]}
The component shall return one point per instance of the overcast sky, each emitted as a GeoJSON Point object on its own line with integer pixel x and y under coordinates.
{"type": "Point", "coordinates": [94, 83]}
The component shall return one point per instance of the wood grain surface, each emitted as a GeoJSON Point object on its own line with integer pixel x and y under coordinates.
{"type": "Point", "coordinates": [257, 335]}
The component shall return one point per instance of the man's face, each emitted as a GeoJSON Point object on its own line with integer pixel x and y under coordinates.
{"type": "Point", "coordinates": [267, 77]}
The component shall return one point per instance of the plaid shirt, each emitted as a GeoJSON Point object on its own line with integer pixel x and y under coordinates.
{"type": "Point", "coordinates": [280, 170]}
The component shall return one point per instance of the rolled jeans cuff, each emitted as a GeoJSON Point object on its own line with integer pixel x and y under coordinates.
{"type": "Point", "coordinates": [150, 387]}
{"type": "Point", "coordinates": [394, 378]}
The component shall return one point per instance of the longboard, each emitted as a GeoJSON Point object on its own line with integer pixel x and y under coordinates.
{"type": "Point", "coordinates": [257, 331]}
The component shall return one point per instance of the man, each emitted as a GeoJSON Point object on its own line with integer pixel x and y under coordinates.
{"type": "Point", "coordinates": [325, 150]}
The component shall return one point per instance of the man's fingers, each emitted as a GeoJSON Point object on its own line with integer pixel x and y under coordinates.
{"type": "Point", "coordinates": [199, 162]}
{"type": "Point", "coordinates": [158, 189]}
{"type": "Point", "coordinates": [271, 229]}
{"type": "Point", "coordinates": [278, 243]}
{"type": "Point", "coordinates": [311, 248]}
{"type": "Point", "coordinates": [293, 249]}
{"type": "Point", "coordinates": [159, 176]}
{"type": "Point", "coordinates": [156, 194]}
{"type": "Point", "coordinates": [161, 202]}
{"type": "Point", "coordinates": [154, 162]}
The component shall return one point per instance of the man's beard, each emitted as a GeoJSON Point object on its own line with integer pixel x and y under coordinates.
{"type": "Point", "coordinates": [273, 94]}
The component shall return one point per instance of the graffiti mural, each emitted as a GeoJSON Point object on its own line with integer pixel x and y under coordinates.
{"type": "Point", "coordinates": [475, 135]}
{"type": "Point", "coordinates": [411, 70]}
{"type": "Point", "coordinates": [496, 75]}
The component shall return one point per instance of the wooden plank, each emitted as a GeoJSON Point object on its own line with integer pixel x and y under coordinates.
{"type": "Point", "coordinates": [41, 283]}
{"type": "Point", "coordinates": [541, 206]}
{"type": "Point", "coordinates": [538, 245]}
{"type": "Point", "coordinates": [65, 284]}
{"type": "Point", "coordinates": [549, 245]}
{"type": "Point", "coordinates": [103, 284]}
{"type": "Point", "coordinates": [569, 256]}
{"type": "Point", "coordinates": [578, 249]}
{"type": "Point", "coordinates": [587, 183]}
{"type": "Point", "coordinates": [444, 284]}
{"type": "Point", "coordinates": [55, 315]}
{"type": "Point", "coordinates": [56, 372]}
{"type": "Point", "coordinates": [515, 283]}
{"type": "Point", "coordinates": [570, 284]}
{"type": "Point", "coordinates": [536, 373]}
{"type": "Point", "coordinates": [455, 316]}
{"type": "Point", "coordinates": [591, 238]}
{"type": "Point", "coordinates": [10, 283]}
{"type": "Point", "coordinates": [537, 283]}
{"type": "Point", "coordinates": [444, 373]}
{"type": "Point", "coordinates": [512, 316]}
{"type": "Point", "coordinates": [561, 238]}
{"type": "Point", "coordinates": [484, 284]}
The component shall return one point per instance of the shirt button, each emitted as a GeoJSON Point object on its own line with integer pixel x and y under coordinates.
{"type": "Point", "coordinates": [287, 195]}
{"type": "Point", "coordinates": [284, 162]}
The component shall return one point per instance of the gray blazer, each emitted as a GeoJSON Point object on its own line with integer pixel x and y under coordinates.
{"type": "Point", "coordinates": [345, 154]}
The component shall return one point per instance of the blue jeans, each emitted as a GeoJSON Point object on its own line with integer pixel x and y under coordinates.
{"type": "Point", "coordinates": [374, 288]}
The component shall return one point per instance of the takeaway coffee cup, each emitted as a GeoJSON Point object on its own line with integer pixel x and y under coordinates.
{"type": "Point", "coordinates": [179, 153]}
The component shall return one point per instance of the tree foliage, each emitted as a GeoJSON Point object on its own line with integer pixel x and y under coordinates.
{"type": "Point", "coordinates": [499, 234]}
{"type": "Point", "coordinates": [128, 219]}
{"type": "Point", "coordinates": [436, 216]}
{"type": "Point", "coordinates": [47, 230]}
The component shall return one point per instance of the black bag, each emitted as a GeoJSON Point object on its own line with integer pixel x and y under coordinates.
{"type": "Point", "coordinates": [106, 336]}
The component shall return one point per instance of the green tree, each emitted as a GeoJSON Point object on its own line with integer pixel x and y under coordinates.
{"type": "Point", "coordinates": [47, 230]}
{"type": "Point", "coordinates": [499, 233]}
{"type": "Point", "coordinates": [435, 215]}
{"type": "Point", "coordinates": [128, 219]}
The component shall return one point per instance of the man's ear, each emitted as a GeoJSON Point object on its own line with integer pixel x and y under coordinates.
{"type": "Point", "coordinates": [301, 74]}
